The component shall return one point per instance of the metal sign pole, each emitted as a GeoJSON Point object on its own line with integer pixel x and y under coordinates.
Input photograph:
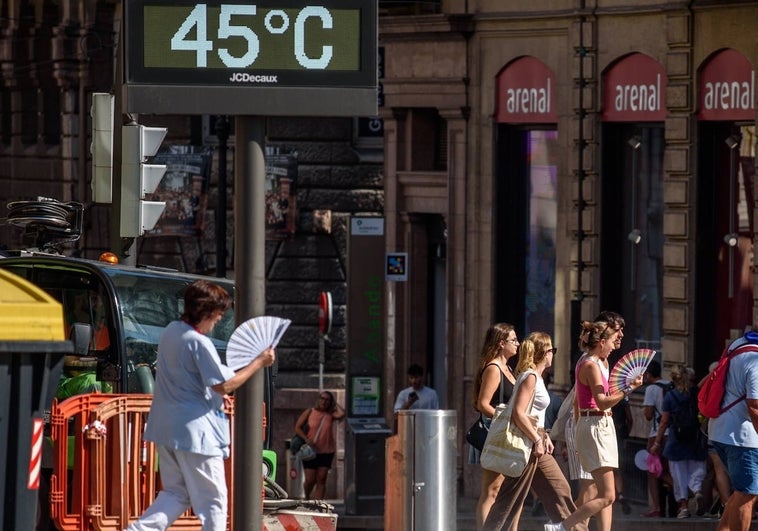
{"type": "Point", "coordinates": [321, 349]}
{"type": "Point", "coordinates": [250, 275]}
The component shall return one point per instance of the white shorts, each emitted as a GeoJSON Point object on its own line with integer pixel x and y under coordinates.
{"type": "Point", "coordinates": [575, 467]}
{"type": "Point", "coordinates": [595, 439]}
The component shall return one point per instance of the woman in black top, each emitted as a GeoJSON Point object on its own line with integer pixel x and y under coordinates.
{"type": "Point", "coordinates": [494, 376]}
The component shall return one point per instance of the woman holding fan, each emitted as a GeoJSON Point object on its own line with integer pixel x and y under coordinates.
{"type": "Point", "coordinates": [187, 422]}
{"type": "Point", "coordinates": [594, 431]}
{"type": "Point", "coordinates": [542, 475]}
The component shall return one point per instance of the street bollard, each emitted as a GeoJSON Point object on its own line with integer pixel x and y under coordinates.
{"type": "Point", "coordinates": [421, 484]}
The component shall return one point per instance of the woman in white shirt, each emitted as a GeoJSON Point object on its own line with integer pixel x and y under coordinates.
{"type": "Point", "coordinates": [542, 474]}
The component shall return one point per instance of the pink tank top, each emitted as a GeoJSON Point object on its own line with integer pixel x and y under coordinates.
{"type": "Point", "coordinates": [584, 397]}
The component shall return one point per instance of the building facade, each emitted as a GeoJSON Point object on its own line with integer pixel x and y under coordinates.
{"type": "Point", "coordinates": [549, 160]}
{"type": "Point", "coordinates": [542, 161]}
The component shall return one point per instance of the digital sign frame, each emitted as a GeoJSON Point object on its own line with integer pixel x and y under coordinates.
{"type": "Point", "coordinates": [251, 57]}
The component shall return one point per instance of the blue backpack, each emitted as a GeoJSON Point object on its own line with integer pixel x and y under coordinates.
{"type": "Point", "coordinates": [685, 422]}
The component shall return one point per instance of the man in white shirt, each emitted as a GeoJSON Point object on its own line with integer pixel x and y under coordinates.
{"type": "Point", "coordinates": [653, 404]}
{"type": "Point", "coordinates": [417, 396]}
{"type": "Point", "coordinates": [734, 434]}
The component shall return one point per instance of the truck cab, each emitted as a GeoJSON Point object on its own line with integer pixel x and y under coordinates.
{"type": "Point", "coordinates": [115, 315]}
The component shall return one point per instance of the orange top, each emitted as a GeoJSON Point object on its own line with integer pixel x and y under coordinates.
{"type": "Point", "coordinates": [325, 442]}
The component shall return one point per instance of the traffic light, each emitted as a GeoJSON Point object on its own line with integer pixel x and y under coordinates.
{"type": "Point", "coordinates": [138, 143]}
{"type": "Point", "coordinates": [101, 147]}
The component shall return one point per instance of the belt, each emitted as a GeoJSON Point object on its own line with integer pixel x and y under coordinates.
{"type": "Point", "coordinates": [595, 413]}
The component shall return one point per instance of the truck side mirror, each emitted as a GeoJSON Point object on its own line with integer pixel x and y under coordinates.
{"type": "Point", "coordinates": [81, 336]}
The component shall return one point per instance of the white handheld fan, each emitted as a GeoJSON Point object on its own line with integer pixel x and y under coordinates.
{"type": "Point", "coordinates": [629, 367]}
{"type": "Point", "coordinates": [253, 337]}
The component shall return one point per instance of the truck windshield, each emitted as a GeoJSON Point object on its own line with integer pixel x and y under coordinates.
{"type": "Point", "coordinates": [147, 304]}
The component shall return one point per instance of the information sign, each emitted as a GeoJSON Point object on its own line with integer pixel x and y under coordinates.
{"type": "Point", "coordinates": [267, 57]}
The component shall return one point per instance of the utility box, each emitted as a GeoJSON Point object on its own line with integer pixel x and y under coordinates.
{"type": "Point", "coordinates": [421, 471]}
{"type": "Point", "coordinates": [32, 348]}
{"type": "Point", "coordinates": [364, 465]}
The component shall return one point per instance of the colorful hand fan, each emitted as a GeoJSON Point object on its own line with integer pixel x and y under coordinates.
{"type": "Point", "coordinates": [253, 337]}
{"type": "Point", "coordinates": [629, 367]}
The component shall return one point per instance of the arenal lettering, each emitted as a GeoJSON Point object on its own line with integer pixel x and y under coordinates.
{"type": "Point", "coordinates": [638, 97]}
{"type": "Point", "coordinates": [535, 100]}
{"type": "Point", "coordinates": [726, 95]}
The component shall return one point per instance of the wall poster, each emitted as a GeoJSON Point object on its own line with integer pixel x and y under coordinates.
{"type": "Point", "coordinates": [184, 188]}
{"type": "Point", "coordinates": [281, 206]}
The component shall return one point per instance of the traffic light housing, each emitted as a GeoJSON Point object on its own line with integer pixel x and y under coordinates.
{"type": "Point", "coordinates": [101, 147]}
{"type": "Point", "coordinates": [138, 178]}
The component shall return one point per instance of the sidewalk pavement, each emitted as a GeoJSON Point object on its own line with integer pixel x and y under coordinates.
{"type": "Point", "coordinates": [465, 521]}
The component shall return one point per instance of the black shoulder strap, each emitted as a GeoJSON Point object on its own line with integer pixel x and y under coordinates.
{"type": "Point", "coordinates": [501, 384]}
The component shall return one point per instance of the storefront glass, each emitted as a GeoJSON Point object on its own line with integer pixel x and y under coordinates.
{"type": "Point", "coordinates": [541, 230]}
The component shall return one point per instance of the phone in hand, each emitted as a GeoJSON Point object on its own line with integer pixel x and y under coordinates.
{"type": "Point", "coordinates": [413, 396]}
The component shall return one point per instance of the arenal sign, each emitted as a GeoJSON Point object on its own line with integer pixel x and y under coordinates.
{"type": "Point", "coordinates": [726, 88]}
{"type": "Point", "coordinates": [633, 90]}
{"type": "Point", "coordinates": [251, 57]}
{"type": "Point", "coordinates": [526, 93]}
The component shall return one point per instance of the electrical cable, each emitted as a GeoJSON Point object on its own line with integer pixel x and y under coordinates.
{"type": "Point", "coordinates": [49, 221]}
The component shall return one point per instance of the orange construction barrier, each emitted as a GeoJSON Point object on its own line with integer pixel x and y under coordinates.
{"type": "Point", "coordinates": [69, 491]}
{"type": "Point", "coordinates": [115, 473]}
{"type": "Point", "coordinates": [105, 475]}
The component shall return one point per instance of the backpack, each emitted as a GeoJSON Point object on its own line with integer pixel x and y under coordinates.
{"type": "Point", "coordinates": [665, 387]}
{"type": "Point", "coordinates": [685, 423]}
{"type": "Point", "coordinates": [711, 394]}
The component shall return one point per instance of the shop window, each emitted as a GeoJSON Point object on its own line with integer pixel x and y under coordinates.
{"type": "Point", "coordinates": [526, 212]}
{"type": "Point", "coordinates": [541, 231]}
{"type": "Point", "coordinates": [631, 263]}
{"type": "Point", "coordinates": [724, 257]}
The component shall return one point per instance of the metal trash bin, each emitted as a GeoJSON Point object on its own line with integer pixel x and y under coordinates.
{"type": "Point", "coordinates": [32, 348]}
{"type": "Point", "coordinates": [421, 472]}
{"type": "Point", "coordinates": [364, 465]}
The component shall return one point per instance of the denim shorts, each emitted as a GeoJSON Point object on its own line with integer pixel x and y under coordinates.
{"type": "Point", "coordinates": [742, 464]}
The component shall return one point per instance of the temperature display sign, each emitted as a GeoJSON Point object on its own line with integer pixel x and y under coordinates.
{"type": "Point", "coordinates": [207, 57]}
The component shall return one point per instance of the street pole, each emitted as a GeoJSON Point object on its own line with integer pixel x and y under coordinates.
{"type": "Point", "coordinates": [250, 278]}
{"type": "Point", "coordinates": [120, 246]}
{"type": "Point", "coordinates": [321, 359]}
{"type": "Point", "coordinates": [222, 133]}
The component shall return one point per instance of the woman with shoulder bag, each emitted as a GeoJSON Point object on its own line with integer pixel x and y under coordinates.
{"type": "Point", "coordinates": [542, 475]}
{"type": "Point", "coordinates": [320, 437]}
{"type": "Point", "coordinates": [493, 386]}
